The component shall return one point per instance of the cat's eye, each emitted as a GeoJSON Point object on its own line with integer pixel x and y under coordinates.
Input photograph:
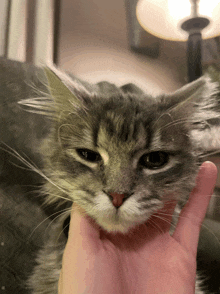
{"type": "Point", "coordinates": [154, 160]}
{"type": "Point", "coordinates": [89, 155]}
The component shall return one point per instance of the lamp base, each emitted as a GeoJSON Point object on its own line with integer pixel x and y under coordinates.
{"type": "Point", "coordinates": [194, 26]}
{"type": "Point", "coordinates": [194, 56]}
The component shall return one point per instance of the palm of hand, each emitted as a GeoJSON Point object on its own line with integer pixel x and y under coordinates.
{"type": "Point", "coordinates": [127, 263]}
{"type": "Point", "coordinates": [145, 261]}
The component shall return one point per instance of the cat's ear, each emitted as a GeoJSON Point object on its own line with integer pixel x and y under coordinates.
{"type": "Point", "coordinates": [58, 89]}
{"type": "Point", "coordinates": [65, 89]}
{"type": "Point", "coordinates": [197, 106]}
{"type": "Point", "coordinates": [195, 100]}
{"type": "Point", "coordinates": [64, 94]}
{"type": "Point", "coordinates": [194, 103]}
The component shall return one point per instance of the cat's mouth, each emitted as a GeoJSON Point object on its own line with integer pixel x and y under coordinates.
{"type": "Point", "coordinates": [119, 212]}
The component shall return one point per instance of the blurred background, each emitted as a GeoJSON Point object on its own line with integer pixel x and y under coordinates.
{"type": "Point", "coordinates": [99, 40]}
{"type": "Point", "coordinates": [95, 40]}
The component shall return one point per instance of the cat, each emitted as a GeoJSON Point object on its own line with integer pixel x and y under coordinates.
{"type": "Point", "coordinates": [118, 153]}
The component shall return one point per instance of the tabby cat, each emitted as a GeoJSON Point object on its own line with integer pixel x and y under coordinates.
{"type": "Point", "coordinates": [107, 141]}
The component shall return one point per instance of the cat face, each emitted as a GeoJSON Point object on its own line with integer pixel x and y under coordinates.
{"type": "Point", "coordinates": [125, 150]}
{"type": "Point", "coordinates": [121, 154]}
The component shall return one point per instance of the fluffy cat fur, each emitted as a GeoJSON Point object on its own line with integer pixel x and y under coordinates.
{"type": "Point", "coordinates": [126, 129]}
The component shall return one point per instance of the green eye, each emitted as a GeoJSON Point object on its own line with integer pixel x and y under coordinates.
{"type": "Point", "coordinates": [89, 155]}
{"type": "Point", "coordinates": [154, 160]}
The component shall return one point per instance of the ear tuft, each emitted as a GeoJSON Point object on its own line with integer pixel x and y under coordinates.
{"type": "Point", "coordinates": [198, 105]}
{"type": "Point", "coordinates": [64, 94]}
{"type": "Point", "coordinates": [196, 102]}
{"type": "Point", "coordinates": [200, 91]}
{"type": "Point", "coordinates": [58, 89]}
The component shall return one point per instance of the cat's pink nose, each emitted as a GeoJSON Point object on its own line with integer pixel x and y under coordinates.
{"type": "Point", "coordinates": [117, 199]}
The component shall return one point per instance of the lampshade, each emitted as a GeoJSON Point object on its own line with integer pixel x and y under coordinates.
{"type": "Point", "coordinates": [163, 18]}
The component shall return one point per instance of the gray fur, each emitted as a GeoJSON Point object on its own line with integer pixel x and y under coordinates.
{"type": "Point", "coordinates": [121, 124]}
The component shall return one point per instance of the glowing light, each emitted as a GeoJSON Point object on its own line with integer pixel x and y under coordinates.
{"type": "Point", "coordinates": [179, 9]}
{"type": "Point", "coordinates": [163, 18]}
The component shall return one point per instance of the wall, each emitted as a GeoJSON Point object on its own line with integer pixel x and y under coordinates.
{"type": "Point", "coordinates": [94, 46]}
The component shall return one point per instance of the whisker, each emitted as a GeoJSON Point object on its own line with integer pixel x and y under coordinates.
{"type": "Point", "coordinates": [163, 219]}
{"type": "Point", "coordinates": [63, 213]}
{"type": "Point", "coordinates": [55, 213]}
{"type": "Point", "coordinates": [15, 154]}
{"type": "Point", "coordinates": [155, 225]}
{"type": "Point", "coordinates": [59, 129]}
{"type": "Point", "coordinates": [31, 166]}
{"type": "Point", "coordinates": [203, 225]}
{"type": "Point", "coordinates": [19, 166]}
{"type": "Point", "coordinates": [32, 186]}
{"type": "Point", "coordinates": [62, 231]}
{"type": "Point", "coordinates": [175, 122]}
{"type": "Point", "coordinates": [214, 196]}
{"type": "Point", "coordinates": [209, 153]}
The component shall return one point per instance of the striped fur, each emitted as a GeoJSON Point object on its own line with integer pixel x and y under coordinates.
{"type": "Point", "coordinates": [121, 125]}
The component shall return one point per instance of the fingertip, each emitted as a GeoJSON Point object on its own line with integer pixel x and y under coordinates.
{"type": "Point", "coordinates": [207, 175]}
{"type": "Point", "coordinates": [209, 167]}
{"type": "Point", "coordinates": [192, 215]}
{"type": "Point", "coordinates": [205, 182]}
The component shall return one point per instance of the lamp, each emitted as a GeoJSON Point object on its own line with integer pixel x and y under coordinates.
{"type": "Point", "coordinates": [181, 20]}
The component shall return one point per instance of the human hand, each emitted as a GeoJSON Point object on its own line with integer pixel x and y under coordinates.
{"type": "Point", "coordinates": [147, 260]}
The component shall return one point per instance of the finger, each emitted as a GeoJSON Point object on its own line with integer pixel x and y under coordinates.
{"type": "Point", "coordinates": [82, 227]}
{"type": "Point", "coordinates": [78, 256]}
{"type": "Point", "coordinates": [192, 215]}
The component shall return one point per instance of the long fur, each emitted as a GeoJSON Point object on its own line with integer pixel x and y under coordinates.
{"type": "Point", "coordinates": [122, 125]}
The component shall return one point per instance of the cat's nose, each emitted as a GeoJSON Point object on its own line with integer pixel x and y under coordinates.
{"type": "Point", "coordinates": [117, 199]}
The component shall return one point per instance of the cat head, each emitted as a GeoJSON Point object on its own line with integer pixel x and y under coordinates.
{"type": "Point", "coordinates": [120, 153]}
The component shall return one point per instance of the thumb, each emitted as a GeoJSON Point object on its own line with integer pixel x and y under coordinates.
{"type": "Point", "coordinates": [192, 215]}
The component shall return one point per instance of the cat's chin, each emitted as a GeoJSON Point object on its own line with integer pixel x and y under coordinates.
{"type": "Point", "coordinates": [111, 228]}
{"type": "Point", "coordinates": [123, 228]}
